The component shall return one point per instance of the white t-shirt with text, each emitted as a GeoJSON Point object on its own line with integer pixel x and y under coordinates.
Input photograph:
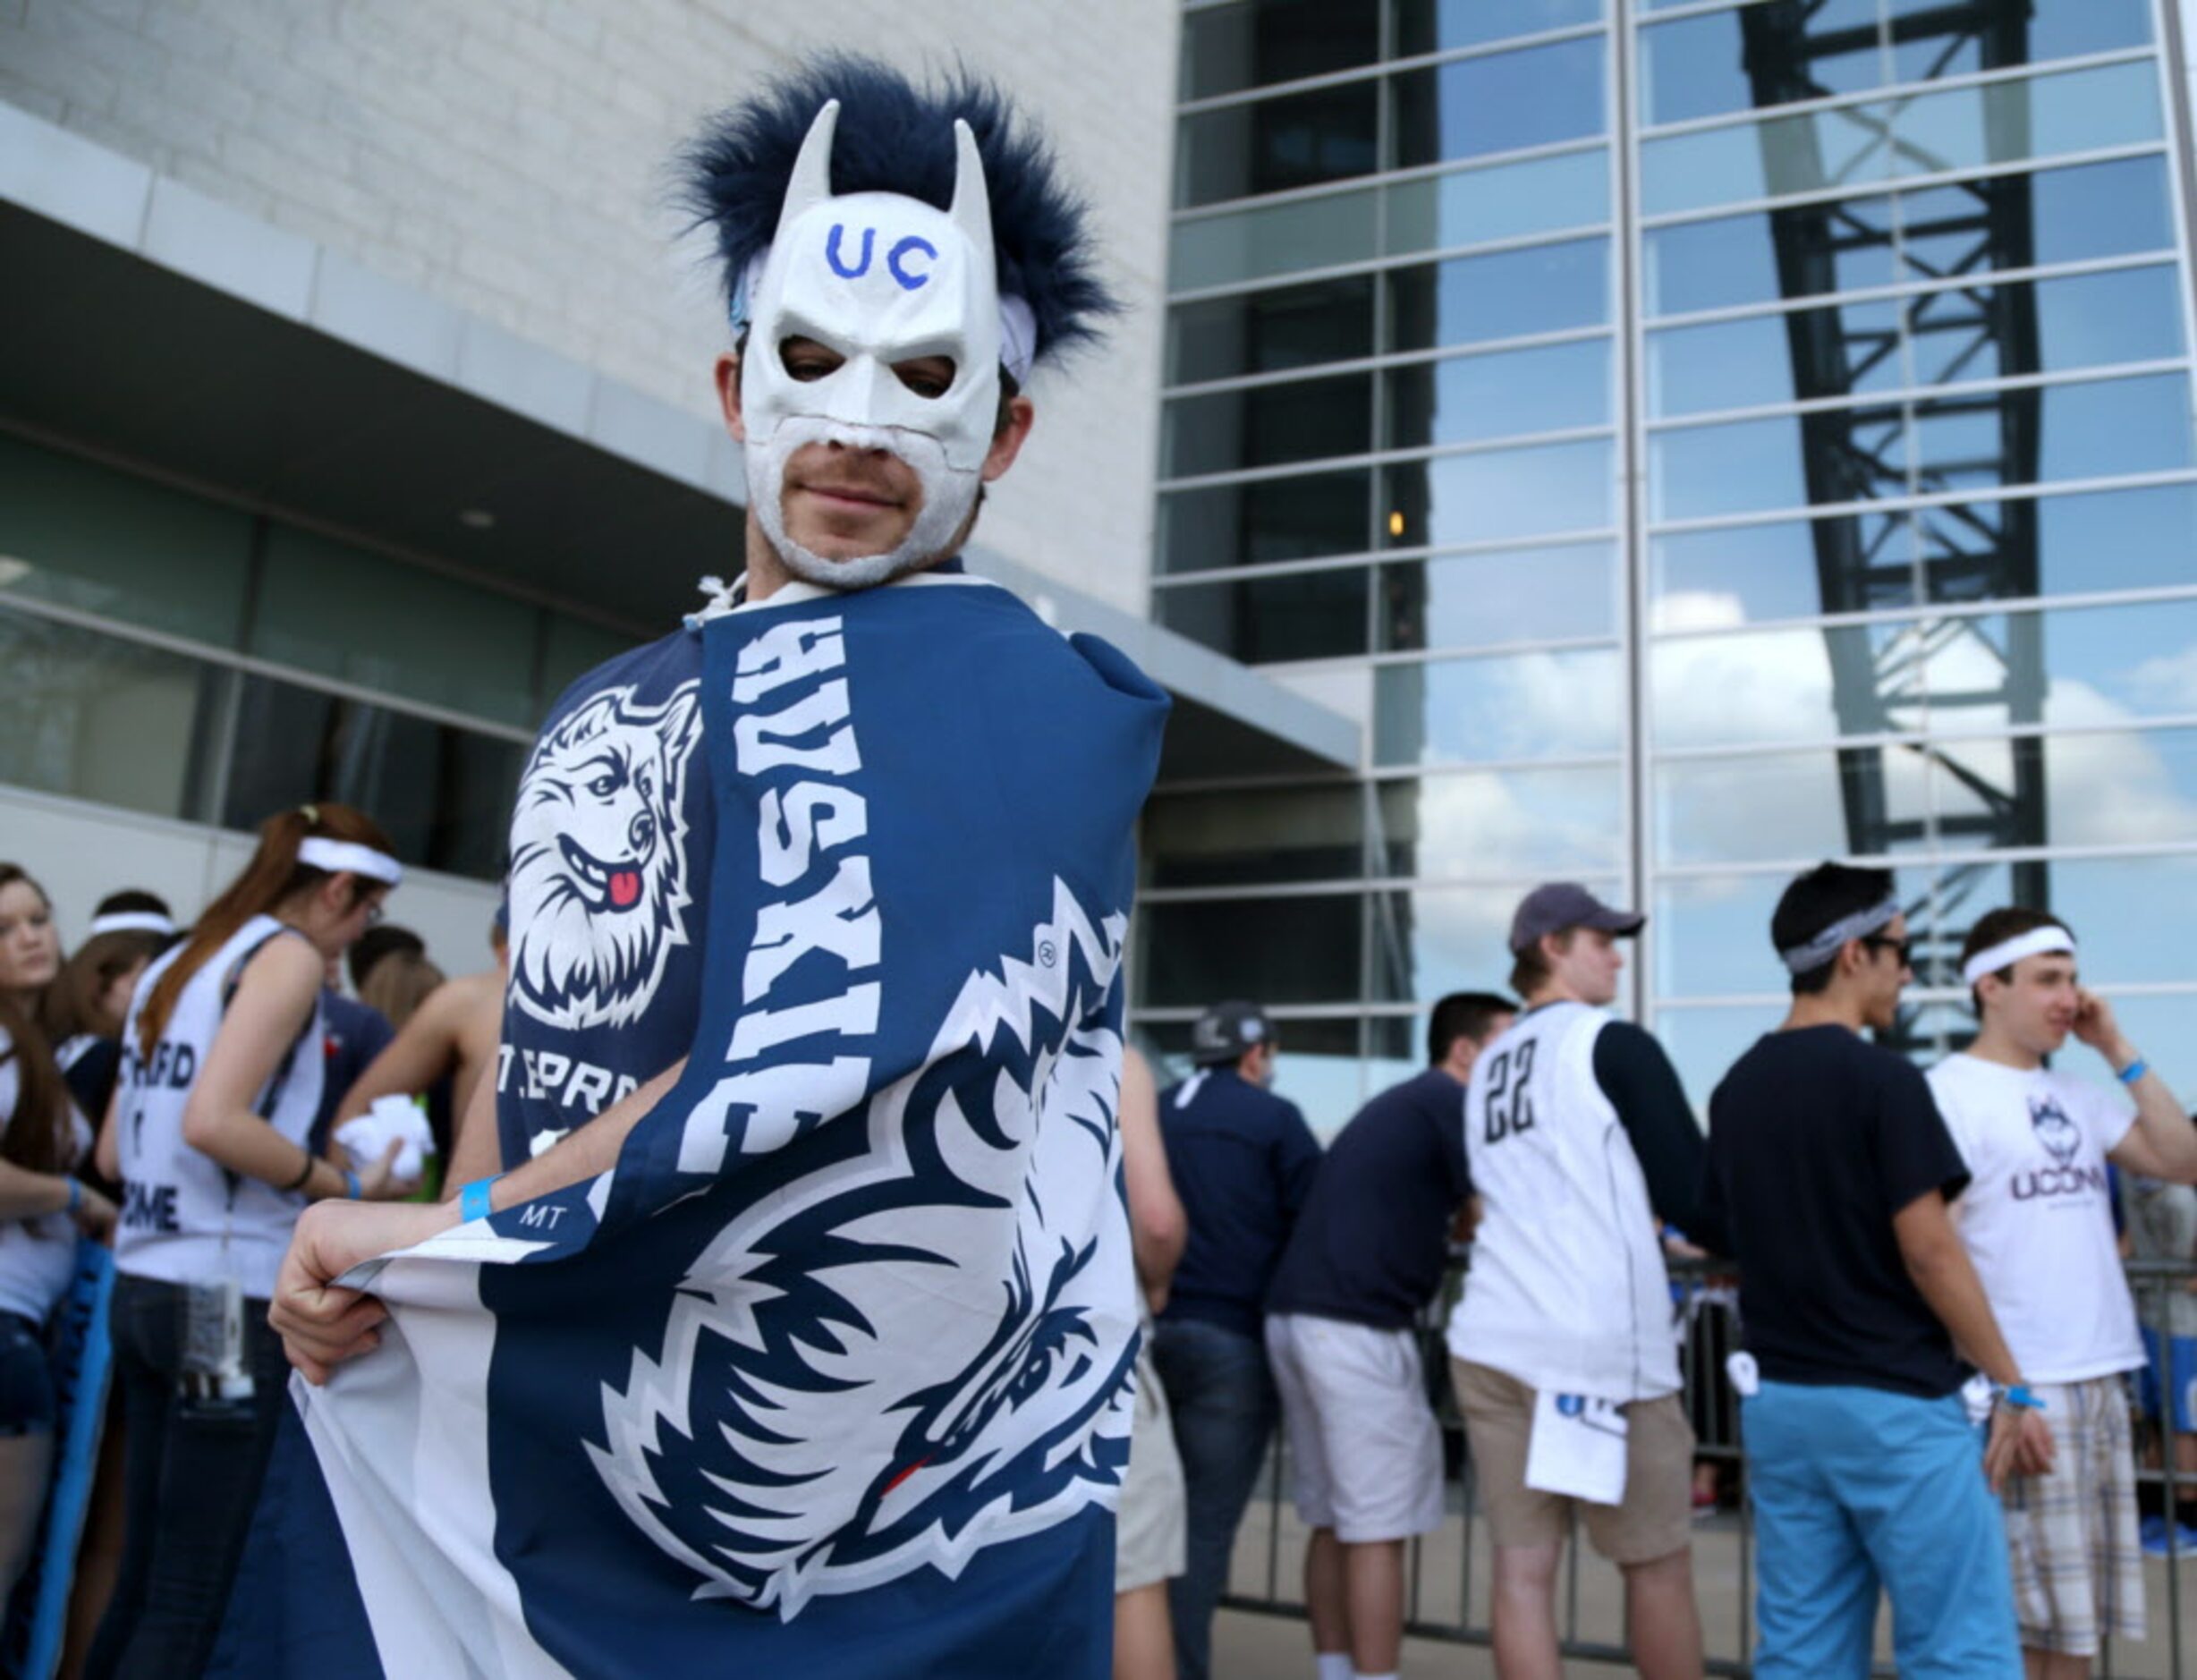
{"type": "Point", "coordinates": [2037, 1216]}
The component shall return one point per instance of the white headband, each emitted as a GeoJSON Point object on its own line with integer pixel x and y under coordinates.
{"type": "Point", "coordinates": [1018, 326]}
{"type": "Point", "coordinates": [1823, 946]}
{"type": "Point", "coordinates": [131, 921]}
{"type": "Point", "coordinates": [2006, 953]}
{"type": "Point", "coordinates": [346, 856]}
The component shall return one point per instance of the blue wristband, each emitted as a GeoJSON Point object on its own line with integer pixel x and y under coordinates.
{"type": "Point", "coordinates": [473, 1199]}
{"type": "Point", "coordinates": [2020, 1399]}
{"type": "Point", "coordinates": [2133, 1072]}
{"type": "Point", "coordinates": [76, 1198]}
{"type": "Point", "coordinates": [351, 1185]}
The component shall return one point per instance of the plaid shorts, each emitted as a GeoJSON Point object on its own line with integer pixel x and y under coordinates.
{"type": "Point", "coordinates": [2071, 1534]}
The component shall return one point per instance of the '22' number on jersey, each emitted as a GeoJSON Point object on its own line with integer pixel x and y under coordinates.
{"type": "Point", "coordinates": [1509, 1106]}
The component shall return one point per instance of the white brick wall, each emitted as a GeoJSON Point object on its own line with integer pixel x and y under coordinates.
{"type": "Point", "coordinates": [510, 157]}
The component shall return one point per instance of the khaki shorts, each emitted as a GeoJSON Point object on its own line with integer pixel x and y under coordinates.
{"type": "Point", "coordinates": [1152, 1528]}
{"type": "Point", "coordinates": [1655, 1518]}
{"type": "Point", "coordinates": [2071, 1533]}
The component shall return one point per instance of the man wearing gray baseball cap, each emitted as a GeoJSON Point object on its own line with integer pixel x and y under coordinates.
{"type": "Point", "coordinates": [1578, 1136]}
{"type": "Point", "coordinates": [1242, 1160]}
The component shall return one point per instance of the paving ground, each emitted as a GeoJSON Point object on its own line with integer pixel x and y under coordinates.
{"type": "Point", "coordinates": [1249, 1646]}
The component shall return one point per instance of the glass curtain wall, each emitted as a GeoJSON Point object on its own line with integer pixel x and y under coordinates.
{"type": "Point", "coordinates": [1695, 440]}
{"type": "Point", "coordinates": [170, 655]}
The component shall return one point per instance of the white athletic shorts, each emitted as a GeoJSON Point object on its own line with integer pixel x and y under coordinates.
{"type": "Point", "coordinates": [1365, 1456]}
{"type": "Point", "coordinates": [1151, 1530]}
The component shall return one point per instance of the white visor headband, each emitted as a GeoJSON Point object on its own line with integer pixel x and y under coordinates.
{"type": "Point", "coordinates": [348, 857]}
{"type": "Point", "coordinates": [1825, 945]}
{"type": "Point", "coordinates": [2006, 953]}
{"type": "Point", "coordinates": [131, 921]}
{"type": "Point", "coordinates": [1018, 326]}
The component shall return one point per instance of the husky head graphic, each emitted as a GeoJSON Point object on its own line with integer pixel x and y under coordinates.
{"type": "Point", "coordinates": [922, 1348]}
{"type": "Point", "coordinates": [598, 869]}
{"type": "Point", "coordinates": [2054, 1131]}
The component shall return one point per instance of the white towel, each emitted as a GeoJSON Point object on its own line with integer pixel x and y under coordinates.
{"type": "Point", "coordinates": [367, 1137]}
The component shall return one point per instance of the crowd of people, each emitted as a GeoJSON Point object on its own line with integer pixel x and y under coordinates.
{"type": "Point", "coordinates": [1938, 1340]}
{"type": "Point", "coordinates": [181, 1092]}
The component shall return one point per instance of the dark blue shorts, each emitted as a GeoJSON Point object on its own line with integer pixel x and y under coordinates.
{"type": "Point", "coordinates": [27, 1401]}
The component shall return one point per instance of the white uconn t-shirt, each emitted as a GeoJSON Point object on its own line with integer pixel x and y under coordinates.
{"type": "Point", "coordinates": [184, 1219]}
{"type": "Point", "coordinates": [2037, 1216]}
{"type": "Point", "coordinates": [1567, 1289]}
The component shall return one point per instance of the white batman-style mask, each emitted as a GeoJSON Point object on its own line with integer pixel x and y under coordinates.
{"type": "Point", "coordinates": [881, 279]}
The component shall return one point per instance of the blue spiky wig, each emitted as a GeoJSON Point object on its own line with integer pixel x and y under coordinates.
{"type": "Point", "coordinates": [897, 137]}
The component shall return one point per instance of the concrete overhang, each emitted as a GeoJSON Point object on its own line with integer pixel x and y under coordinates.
{"type": "Point", "coordinates": [159, 327]}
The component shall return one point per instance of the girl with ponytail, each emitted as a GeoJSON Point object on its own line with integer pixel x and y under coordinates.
{"type": "Point", "coordinates": [211, 1131]}
{"type": "Point", "coordinates": [42, 1207]}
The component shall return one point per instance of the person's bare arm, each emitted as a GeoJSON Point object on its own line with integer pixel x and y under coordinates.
{"type": "Point", "coordinates": [321, 1326]}
{"type": "Point", "coordinates": [1938, 1261]}
{"type": "Point", "coordinates": [2163, 1143]}
{"type": "Point", "coordinates": [1157, 1228]}
{"type": "Point", "coordinates": [422, 1052]}
{"type": "Point", "coordinates": [106, 1152]}
{"type": "Point", "coordinates": [476, 1151]}
{"type": "Point", "coordinates": [274, 1000]}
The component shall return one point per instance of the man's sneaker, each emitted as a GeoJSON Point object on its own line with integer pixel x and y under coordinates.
{"type": "Point", "coordinates": [2153, 1536]}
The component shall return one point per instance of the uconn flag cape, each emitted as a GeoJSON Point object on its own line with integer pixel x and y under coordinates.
{"type": "Point", "coordinates": [832, 1372]}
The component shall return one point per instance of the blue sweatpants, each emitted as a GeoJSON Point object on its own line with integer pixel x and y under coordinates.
{"type": "Point", "coordinates": [1855, 1490]}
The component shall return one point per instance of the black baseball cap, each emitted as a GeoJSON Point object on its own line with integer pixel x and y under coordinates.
{"type": "Point", "coordinates": [1562, 904]}
{"type": "Point", "coordinates": [1224, 1031]}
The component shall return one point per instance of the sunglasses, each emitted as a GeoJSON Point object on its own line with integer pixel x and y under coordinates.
{"type": "Point", "coordinates": [1904, 949]}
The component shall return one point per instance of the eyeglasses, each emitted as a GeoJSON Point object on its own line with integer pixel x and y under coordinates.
{"type": "Point", "coordinates": [1904, 949]}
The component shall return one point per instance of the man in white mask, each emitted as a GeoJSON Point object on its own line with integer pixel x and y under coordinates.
{"type": "Point", "coordinates": [806, 1294]}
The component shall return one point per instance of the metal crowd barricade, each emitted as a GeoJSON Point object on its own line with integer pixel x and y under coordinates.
{"type": "Point", "coordinates": [1446, 1580]}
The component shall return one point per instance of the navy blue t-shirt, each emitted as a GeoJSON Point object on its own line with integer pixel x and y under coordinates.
{"type": "Point", "coordinates": [1243, 1162]}
{"type": "Point", "coordinates": [1373, 1240]}
{"type": "Point", "coordinates": [1816, 1139]}
{"type": "Point", "coordinates": [611, 839]}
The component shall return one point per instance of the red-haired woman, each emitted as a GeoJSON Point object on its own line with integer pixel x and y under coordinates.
{"type": "Point", "coordinates": [211, 1128]}
{"type": "Point", "coordinates": [41, 1210]}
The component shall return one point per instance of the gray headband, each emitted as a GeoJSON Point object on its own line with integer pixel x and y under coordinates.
{"type": "Point", "coordinates": [1824, 946]}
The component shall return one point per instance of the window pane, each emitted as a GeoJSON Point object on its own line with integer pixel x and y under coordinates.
{"type": "Point", "coordinates": [1281, 950]}
{"type": "Point", "coordinates": [1519, 705]}
{"type": "Point", "coordinates": [1445, 938]}
{"type": "Point", "coordinates": [1504, 394]}
{"type": "Point", "coordinates": [1789, 806]}
{"type": "Point", "coordinates": [1505, 102]}
{"type": "Point", "coordinates": [1711, 935]}
{"type": "Point", "coordinates": [1268, 425]}
{"type": "Point", "coordinates": [2095, 428]}
{"type": "Point", "coordinates": [2102, 210]}
{"type": "Point", "coordinates": [1529, 595]}
{"type": "Point", "coordinates": [1504, 294]}
{"type": "Point", "coordinates": [2077, 665]}
{"type": "Point", "coordinates": [1507, 823]}
{"type": "Point", "coordinates": [1786, 686]}
{"type": "Point", "coordinates": [2105, 539]}
{"type": "Point", "coordinates": [1841, 245]}
{"type": "Point", "coordinates": [97, 718]}
{"type": "Point", "coordinates": [1289, 327]}
{"type": "Point", "coordinates": [1299, 615]}
{"type": "Point", "coordinates": [1767, 358]}
{"type": "Point", "coordinates": [1500, 496]}
{"type": "Point", "coordinates": [1429, 26]}
{"type": "Point", "coordinates": [330, 607]}
{"type": "Point", "coordinates": [2136, 918]}
{"type": "Point", "coordinates": [1337, 227]}
{"type": "Point", "coordinates": [443, 794]}
{"type": "Point", "coordinates": [1226, 48]}
{"type": "Point", "coordinates": [88, 537]}
{"type": "Point", "coordinates": [1705, 580]}
{"type": "Point", "coordinates": [1962, 128]}
{"type": "Point", "coordinates": [1471, 207]}
{"type": "Point", "coordinates": [2114, 788]}
{"type": "Point", "coordinates": [1298, 517]}
{"type": "Point", "coordinates": [1238, 836]}
{"type": "Point", "coordinates": [1272, 145]}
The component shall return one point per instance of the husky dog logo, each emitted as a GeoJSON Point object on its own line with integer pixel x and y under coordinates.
{"type": "Point", "coordinates": [923, 1348]}
{"type": "Point", "coordinates": [2054, 1131]}
{"type": "Point", "coordinates": [599, 871]}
